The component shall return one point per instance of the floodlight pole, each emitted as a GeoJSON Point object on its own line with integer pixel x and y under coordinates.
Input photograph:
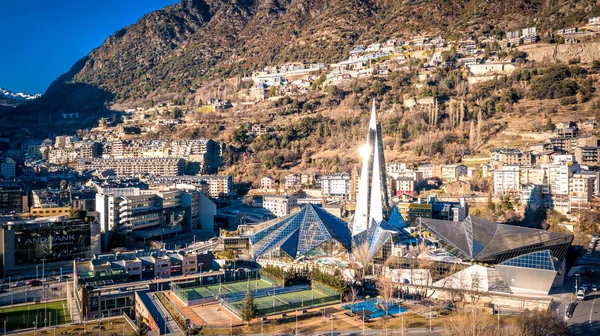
{"type": "Point", "coordinates": [363, 328]}
{"type": "Point", "coordinates": [429, 318]}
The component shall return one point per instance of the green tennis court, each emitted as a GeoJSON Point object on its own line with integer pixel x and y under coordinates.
{"type": "Point", "coordinates": [288, 301]}
{"type": "Point", "coordinates": [228, 287]}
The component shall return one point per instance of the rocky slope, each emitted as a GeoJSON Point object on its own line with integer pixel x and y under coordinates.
{"type": "Point", "coordinates": [180, 48]}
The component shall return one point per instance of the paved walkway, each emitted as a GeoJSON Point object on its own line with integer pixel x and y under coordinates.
{"type": "Point", "coordinates": [164, 320]}
{"type": "Point", "coordinates": [188, 312]}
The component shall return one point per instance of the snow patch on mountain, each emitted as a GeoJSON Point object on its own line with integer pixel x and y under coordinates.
{"type": "Point", "coordinates": [5, 93]}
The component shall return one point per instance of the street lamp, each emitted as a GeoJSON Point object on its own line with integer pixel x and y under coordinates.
{"type": "Point", "coordinates": [43, 260]}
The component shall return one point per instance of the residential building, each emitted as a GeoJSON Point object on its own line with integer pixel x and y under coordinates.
{"type": "Point", "coordinates": [8, 168]}
{"type": "Point", "coordinates": [588, 155]}
{"type": "Point", "coordinates": [130, 167]}
{"type": "Point", "coordinates": [267, 183]}
{"type": "Point", "coordinates": [531, 195]}
{"type": "Point", "coordinates": [582, 189]}
{"type": "Point", "coordinates": [337, 185]}
{"type": "Point", "coordinates": [453, 172]}
{"type": "Point", "coordinates": [279, 205]}
{"type": "Point", "coordinates": [404, 185]}
{"type": "Point", "coordinates": [507, 180]}
{"type": "Point", "coordinates": [13, 198]}
{"type": "Point", "coordinates": [428, 171]}
{"type": "Point", "coordinates": [143, 214]}
{"type": "Point", "coordinates": [510, 156]}
{"type": "Point", "coordinates": [292, 182]}
{"type": "Point", "coordinates": [213, 185]}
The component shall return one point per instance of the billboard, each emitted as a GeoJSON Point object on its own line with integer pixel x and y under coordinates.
{"type": "Point", "coordinates": [52, 241]}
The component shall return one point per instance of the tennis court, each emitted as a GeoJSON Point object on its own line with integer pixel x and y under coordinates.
{"type": "Point", "coordinates": [289, 301]}
{"type": "Point", "coordinates": [226, 288]}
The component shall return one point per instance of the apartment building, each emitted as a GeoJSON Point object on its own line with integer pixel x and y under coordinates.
{"type": "Point", "coordinates": [8, 168]}
{"type": "Point", "coordinates": [337, 185]}
{"type": "Point", "coordinates": [130, 167]}
{"type": "Point", "coordinates": [429, 171]}
{"type": "Point", "coordinates": [143, 214]}
{"type": "Point", "coordinates": [507, 180]}
{"type": "Point", "coordinates": [404, 185]}
{"type": "Point", "coordinates": [203, 155]}
{"type": "Point", "coordinates": [582, 186]}
{"type": "Point", "coordinates": [453, 172]}
{"type": "Point", "coordinates": [213, 185]}
{"type": "Point", "coordinates": [588, 155]}
{"type": "Point", "coordinates": [279, 205]}
{"type": "Point", "coordinates": [510, 156]}
{"type": "Point", "coordinates": [267, 183]}
{"type": "Point", "coordinates": [292, 182]}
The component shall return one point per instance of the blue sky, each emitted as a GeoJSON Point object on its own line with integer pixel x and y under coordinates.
{"type": "Point", "coordinates": [41, 39]}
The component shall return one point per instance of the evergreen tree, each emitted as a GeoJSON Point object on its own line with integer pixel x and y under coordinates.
{"type": "Point", "coordinates": [249, 310]}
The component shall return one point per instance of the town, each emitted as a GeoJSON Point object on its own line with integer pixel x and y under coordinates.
{"type": "Point", "coordinates": [119, 229]}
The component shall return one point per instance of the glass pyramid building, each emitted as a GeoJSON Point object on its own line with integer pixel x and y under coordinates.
{"type": "Point", "coordinates": [299, 234]}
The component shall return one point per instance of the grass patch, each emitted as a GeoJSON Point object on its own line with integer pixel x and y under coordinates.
{"type": "Point", "coordinates": [109, 327]}
{"type": "Point", "coordinates": [23, 317]}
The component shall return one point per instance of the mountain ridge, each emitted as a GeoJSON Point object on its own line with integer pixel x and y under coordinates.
{"type": "Point", "coordinates": [180, 48]}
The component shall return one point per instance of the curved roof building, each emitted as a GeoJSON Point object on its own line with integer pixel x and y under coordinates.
{"type": "Point", "coordinates": [526, 259]}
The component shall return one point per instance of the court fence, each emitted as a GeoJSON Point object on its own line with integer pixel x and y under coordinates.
{"type": "Point", "coordinates": [282, 305]}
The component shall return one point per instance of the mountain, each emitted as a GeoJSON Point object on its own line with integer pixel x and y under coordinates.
{"type": "Point", "coordinates": [175, 51]}
{"type": "Point", "coordinates": [9, 99]}
{"type": "Point", "coordinates": [7, 94]}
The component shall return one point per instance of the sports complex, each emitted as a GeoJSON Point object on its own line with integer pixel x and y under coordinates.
{"type": "Point", "coordinates": [270, 297]}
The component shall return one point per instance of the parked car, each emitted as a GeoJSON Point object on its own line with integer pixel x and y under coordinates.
{"type": "Point", "coordinates": [18, 284]}
{"type": "Point", "coordinates": [580, 295]}
{"type": "Point", "coordinates": [34, 283]}
{"type": "Point", "coordinates": [594, 288]}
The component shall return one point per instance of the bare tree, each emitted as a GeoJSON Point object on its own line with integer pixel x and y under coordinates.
{"type": "Point", "coordinates": [541, 322]}
{"type": "Point", "coordinates": [479, 122]}
{"type": "Point", "coordinates": [385, 287]}
{"type": "Point", "coordinates": [472, 136]}
{"type": "Point", "coordinates": [156, 245]}
{"type": "Point", "coordinates": [353, 295]}
{"type": "Point", "coordinates": [360, 253]}
{"type": "Point", "coordinates": [475, 322]}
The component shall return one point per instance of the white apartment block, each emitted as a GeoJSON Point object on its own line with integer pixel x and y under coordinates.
{"type": "Point", "coordinates": [292, 181]}
{"type": "Point", "coordinates": [267, 183]}
{"type": "Point", "coordinates": [506, 180]}
{"type": "Point", "coordinates": [582, 190]}
{"type": "Point", "coordinates": [279, 205]}
{"type": "Point", "coordinates": [337, 185]}
{"type": "Point", "coordinates": [427, 170]}
{"type": "Point", "coordinates": [212, 185]}
{"type": "Point", "coordinates": [415, 175]}
{"type": "Point", "coordinates": [130, 167]}
{"type": "Point", "coordinates": [556, 179]}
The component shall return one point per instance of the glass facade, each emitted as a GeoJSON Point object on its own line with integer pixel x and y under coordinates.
{"type": "Point", "coordinates": [299, 234]}
{"type": "Point", "coordinates": [51, 241]}
{"type": "Point", "coordinates": [482, 240]}
{"type": "Point", "coordinates": [539, 260]}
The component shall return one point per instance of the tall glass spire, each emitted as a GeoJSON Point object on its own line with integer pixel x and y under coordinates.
{"type": "Point", "coordinates": [371, 198]}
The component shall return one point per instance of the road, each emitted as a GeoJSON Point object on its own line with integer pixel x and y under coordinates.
{"type": "Point", "coordinates": [586, 317]}
{"type": "Point", "coordinates": [31, 294]}
{"type": "Point", "coordinates": [164, 319]}
{"type": "Point", "coordinates": [407, 331]}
